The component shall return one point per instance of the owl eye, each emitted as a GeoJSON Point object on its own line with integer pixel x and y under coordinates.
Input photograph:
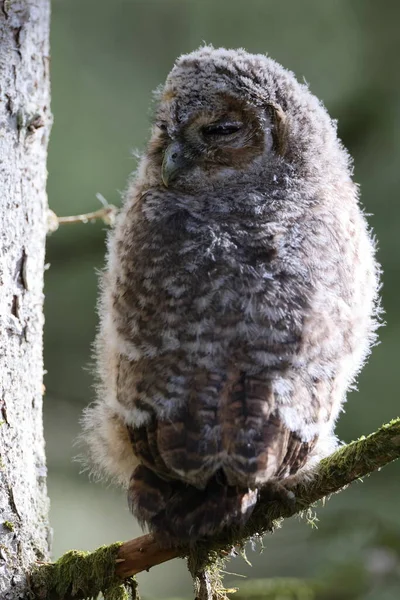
{"type": "Point", "coordinates": [227, 128]}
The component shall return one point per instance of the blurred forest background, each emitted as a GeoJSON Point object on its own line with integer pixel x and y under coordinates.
{"type": "Point", "coordinates": [107, 57]}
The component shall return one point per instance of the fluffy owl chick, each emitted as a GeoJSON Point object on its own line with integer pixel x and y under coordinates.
{"type": "Point", "coordinates": [239, 298]}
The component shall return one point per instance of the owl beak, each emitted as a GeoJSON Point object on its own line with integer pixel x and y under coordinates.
{"type": "Point", "coordinates": [174, 161]}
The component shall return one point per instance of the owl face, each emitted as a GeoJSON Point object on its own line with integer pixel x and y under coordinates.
{"type": "Point", "coordinates": [206, 145]}
{"type": "Point", "coordinates": [226, 135]}
{"type": "Point", "coordinates": [226, 118]}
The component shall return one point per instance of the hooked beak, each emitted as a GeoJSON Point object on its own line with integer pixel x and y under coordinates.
{"type": "Point", "coordinates": [174, 161]}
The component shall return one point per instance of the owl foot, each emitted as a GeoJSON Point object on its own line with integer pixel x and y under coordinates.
{"type": "Point", "coordinates": [276, 491]}
{"type": "Point", "coordinates": [181, 514]}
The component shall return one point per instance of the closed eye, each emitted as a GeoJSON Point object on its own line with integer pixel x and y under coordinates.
{"type": "Point", "coordinates": [222, 128]}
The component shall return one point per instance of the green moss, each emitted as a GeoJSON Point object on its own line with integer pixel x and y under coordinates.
{"type": "Point", "coordinates": [8, 525]}
{"type": "Point", "coordinates": [358, 458]}
{"type": "Point", "coordinates": [84, 575]}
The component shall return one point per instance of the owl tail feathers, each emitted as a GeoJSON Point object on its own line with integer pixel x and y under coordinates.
{"type": "Point", "coordinates": [181, 514]}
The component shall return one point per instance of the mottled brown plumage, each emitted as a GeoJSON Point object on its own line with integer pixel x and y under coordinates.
{"type": "Point", "coordinates": [238, 301]}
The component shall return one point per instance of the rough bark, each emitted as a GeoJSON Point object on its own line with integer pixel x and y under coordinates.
{"type": "Point", "coordinates": [24, 128]}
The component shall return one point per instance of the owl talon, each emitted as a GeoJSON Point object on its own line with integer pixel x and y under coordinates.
{"type": "Point", "coordinates": [182, 514]}
{"type": "Point", "coordinates": [277, 492]}
{"type": "Point", "coordinates": [291, 498]}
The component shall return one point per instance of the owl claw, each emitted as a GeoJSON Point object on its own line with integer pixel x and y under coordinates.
{"type": "Point", "coordinates": [182, 514]}
{"type": "Point", "coordinates": [275, 491]}
{"type": "Point", "coordinates": [291, 498]}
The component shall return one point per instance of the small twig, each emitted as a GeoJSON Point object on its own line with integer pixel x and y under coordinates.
{"type": "Point", "coordinates": [102, 213]}
{"type": "Point", "coordinates": [107, 214]}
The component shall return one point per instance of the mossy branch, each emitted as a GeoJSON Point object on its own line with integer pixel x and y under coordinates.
{"type": "Point", "coordinates": [79, 575]}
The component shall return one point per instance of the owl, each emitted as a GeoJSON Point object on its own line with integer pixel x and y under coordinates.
{"type": "Point", "coordinates": [239, 300]}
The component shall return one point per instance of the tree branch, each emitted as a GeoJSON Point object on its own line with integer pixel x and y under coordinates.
{"type": "Point", "coordinates": [349, 463]}
{"type": "Point", "coordinates": [107, 214]}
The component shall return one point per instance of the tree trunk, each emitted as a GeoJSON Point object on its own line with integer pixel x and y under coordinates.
{"type": "Point", "coordinates": [25, 121]}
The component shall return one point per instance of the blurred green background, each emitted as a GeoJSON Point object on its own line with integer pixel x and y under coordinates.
{"type": "Point", "coordinates": [107, 57]}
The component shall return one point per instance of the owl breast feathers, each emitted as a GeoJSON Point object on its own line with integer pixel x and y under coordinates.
{"type": "Point", "coordinates": [239, 299]}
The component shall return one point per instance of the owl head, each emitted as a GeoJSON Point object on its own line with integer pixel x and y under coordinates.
{"type": "Point", "coordinates": [225, 117]}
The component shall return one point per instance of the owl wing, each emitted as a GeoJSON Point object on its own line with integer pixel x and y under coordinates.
{"type": "Point", "coordinates": [200, 470]}
{"type": "Point", "coordinates": [229, 426]}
